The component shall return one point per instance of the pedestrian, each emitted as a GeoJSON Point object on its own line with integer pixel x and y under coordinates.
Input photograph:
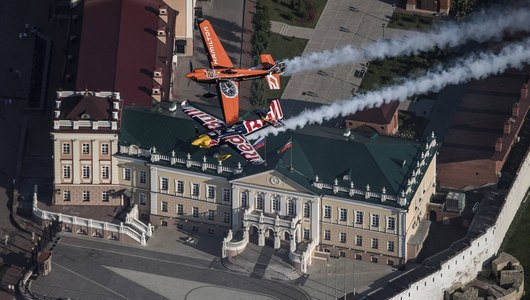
{"type": "Point", "coordinates": [6, 239]}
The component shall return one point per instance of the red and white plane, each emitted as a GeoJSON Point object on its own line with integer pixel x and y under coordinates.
{"type": "Point", "coordinates": [234, 135]}
{"type": "Point", "coordinates": [226, 78]}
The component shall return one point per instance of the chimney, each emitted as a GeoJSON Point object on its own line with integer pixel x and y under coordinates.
{"type": "Point", "coordinates": [498, 145]}
{"type": "Point", "coordinates": [515, 110]}
{"type": "Point", "coordinates": [162, 11]}
{"type": "Point", "coordinates": [524, 91]}
{"type": "Point", "coordinates": [161, 31]}
{"type": "Point", "coordinates": [507, 126]}
{"type": "Point", "coordinates": [116, 105]}
{"type": "Point", "coordinates": [157, 73]}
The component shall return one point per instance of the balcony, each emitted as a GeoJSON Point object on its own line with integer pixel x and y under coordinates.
{"type": "Point", "coordinates": [273, 219]}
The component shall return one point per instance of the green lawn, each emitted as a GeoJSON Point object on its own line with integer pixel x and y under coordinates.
{"type": "Point", "coordinates": [410, 22]}
{"type": "Point", "coordinates": [386, 71]}
{"type": "Point", "coordinates": [282, 47]}
{"type": "Point", "coordinates": [283, 11]}
{"type": "Point", "coordinates": [517, 243]}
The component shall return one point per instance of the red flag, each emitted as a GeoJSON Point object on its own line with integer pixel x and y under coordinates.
{"type": "Point", "coordinates": [285, 147]}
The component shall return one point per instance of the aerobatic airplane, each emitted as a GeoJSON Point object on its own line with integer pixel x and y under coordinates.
{"type": "Point", "coordinates": [226, 78]}
{"type": "Point", "coordinates": [234, 135]}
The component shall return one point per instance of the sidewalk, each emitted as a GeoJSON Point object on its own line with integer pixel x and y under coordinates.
{"type": "Point", "coordinates": [293, 31]}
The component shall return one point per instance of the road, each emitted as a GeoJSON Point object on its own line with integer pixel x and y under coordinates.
{"type": "Point", "coordinates": [89, 269]}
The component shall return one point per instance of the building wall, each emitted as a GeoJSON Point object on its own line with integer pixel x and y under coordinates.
{"type": "Point", "coordinates": [75, 182]}
{"type": "Point", "coordinates": [353, 229]}
{"type": "Point", "coordinates": [382, 129]}
{"type": "Point", "coordinates": [418, 207]}
{"type": "Point", "coordinates": [468, 174]}
{"type": "Point", "coordinates": [441, 6]}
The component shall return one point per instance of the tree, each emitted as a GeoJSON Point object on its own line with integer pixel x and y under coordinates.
{"type": "Point", "coordinates": [462, 8]}
{"type": "Point", "coordinates": [257, 90]}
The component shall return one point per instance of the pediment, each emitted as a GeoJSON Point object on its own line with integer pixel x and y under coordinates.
{"type": "Point", "coordinates": [272, 180]}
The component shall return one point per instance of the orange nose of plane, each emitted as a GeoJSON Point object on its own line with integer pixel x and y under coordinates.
{"type": "Point", "coordinates": [191, 76]}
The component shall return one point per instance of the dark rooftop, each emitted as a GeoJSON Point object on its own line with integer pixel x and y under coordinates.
{"type": "Point", "coordinates": [378, 115]}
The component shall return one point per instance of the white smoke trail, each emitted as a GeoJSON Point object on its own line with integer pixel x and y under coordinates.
{"type": "Point", "coordinates": [477, 66]}
{"type": "Point", "coordinates": [485, 25]}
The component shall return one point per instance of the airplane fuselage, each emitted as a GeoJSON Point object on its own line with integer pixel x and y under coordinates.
{"type": "Point", "coordinates": [215, 75]}
{"type": "Point", "coordinates": [214, 138]}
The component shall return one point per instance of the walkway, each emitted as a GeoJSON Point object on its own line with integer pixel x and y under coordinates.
{"type": "Point", "coordinates": [290, 30]}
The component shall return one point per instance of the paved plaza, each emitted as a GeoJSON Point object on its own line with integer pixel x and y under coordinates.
{"type": "Point", "coordinates": [343, 22]}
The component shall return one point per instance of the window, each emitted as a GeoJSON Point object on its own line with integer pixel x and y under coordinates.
{"type": "Point", "coordinates": [195, 212]}
{"type": "Point", "coordinates": [195, 189]}
{"type": "Point", "coordinates": [227, 195]}
{"type": "Point", "coordinates": [143, 199]}
{"type": "Point", "coordinates": [211, 215]}
{"type": "Point", "coordinates": [180, 226]}
{"type": "Point", "coordinates": [359, 216]}
{"type": "Point", "coordinates": [164, 183]}
{"type": "Point", "coordinates": [327, 212]}
{"type": "Point", "coordinates": [164, 206]}
{"type": "Point", "coordinates": [180, 186]}
{"type": "Point", "coordinates": [375, 220]}
{"type": "Point", "coordinates": [307, 210]}
{"type": "Point", "coordinates": [276, 203]}
{"type": "Point", "coordinates": [390, 246]}
{"type": "Point", "coordinates": [260, 198]}
{"type": "Point", "coordinates": [86, 148]}
{"type": "Point", "coordinates": [342, 254]}
{"type": "Point", "coordinates": [210, 192]}
{"type": "Point", "coordinates": [105, 196]}
{"type": "Point", "coordinates": [358, 240]}
{"type": "Point", "coordinates": [391, 263]}
{"type": "Point", "coordinates": [306, 234]}
{"type": "Point", "coordinates": [226, 217]}
{"type": "Point", "coordinates": [291, 208]}
{"type": "Point", "coordinates": [67, 196]}
{"type": "Point", "coordinates": [342, 238]}
{"type": "Point", "coordinates": [127, 174]}
{"type": "Point", "coordinates": [66, 148]}
{"type": "Point", "coordinates": [180, 209]}
{"type": "Point", "coordinates": [66, 171]}
{"type": "Point", "coordinates": [358, 257]}
{"type": "Point", "coordinates": [327, 235]}
{"type": "Point", "coordinates": [343, 214]}
{"type": "Point", "coordinates": [244, 199]}
{"type": "Point", "coordinates": [86, 172]}
{"type": "Point", "coordinates": [375, 243]}
{"type": "Point", "coordinates": [211, 231]}
{"type": "Point", "coordinates": [195, 228]}
{"type": "Point", "coordinates": [86, 195]}
{"type": "Point", "coordinates": [143, 177]}
{"type": "Point", "coordinates": [391, 223]}
{"type": "Point", "coordinates": [105, 149]}
{"type": "Point", "coordinates": [105, 172]}
{"type": "Point", "coordinates": [373, 259]}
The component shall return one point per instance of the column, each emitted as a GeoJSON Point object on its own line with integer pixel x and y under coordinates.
{"type": "Point", "coordinates": [261, 238]}
{"type": "Point", "coordinates": [251, 200]}
{"type": "Point", "coordinates": [95, 161]}
{"type": "Point", "coordinates": [267, 206]}
{"type": "Point", "coordinates": [293, 242]}
{"type": "Point", "coordinates": [315, 217]}
{"type": "Point", "coordinates": [277, 243]}
{"type": "Point", "coordinates": [76, 166]}
{"type": "Point", "coordinates": [154, 184]}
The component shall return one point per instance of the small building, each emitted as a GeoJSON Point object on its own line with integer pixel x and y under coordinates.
{"type": "Point", "coordinates": [383, 119]}
{"type": "Point", "coordinates": [437, 6]}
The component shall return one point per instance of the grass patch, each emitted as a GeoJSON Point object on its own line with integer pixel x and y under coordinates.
{"type": "Point", "coordinates": [282, 47]}
{"type": "Point", "coordinates": [410, 125]}
{"type": "Point", "coordinates": [410, 22]}
{"type": "Point", "coordinates": [386, 71]}
{"type": "Point", "coordinates": [283, 11]}
{"type": "Point", "coordinates": [517, 243]}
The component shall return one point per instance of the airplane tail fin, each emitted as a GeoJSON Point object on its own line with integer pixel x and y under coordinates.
{"type": "Point", "coordinates": [275, 70]}
{"type": "Point", "coordinates": [275, 114]}
{"type": "Point", "coordinates": [266, 61]}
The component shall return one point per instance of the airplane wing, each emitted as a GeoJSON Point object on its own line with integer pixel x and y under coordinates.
{"type": "Point", "coordinates": [243, 147]}
{"type": "Point", "coordinates": [228, 93]}
{"type": "Point", "coordinates": [207, 121]}
{"type": "Point", "coordinates": [216, 53]}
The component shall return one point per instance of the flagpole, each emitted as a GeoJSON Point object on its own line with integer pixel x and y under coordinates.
{"type": "Point", "coordinates": [292, 149]}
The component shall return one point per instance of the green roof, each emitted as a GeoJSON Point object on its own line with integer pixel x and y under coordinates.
{"type": "Point", "coordinates": [364, 158]}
